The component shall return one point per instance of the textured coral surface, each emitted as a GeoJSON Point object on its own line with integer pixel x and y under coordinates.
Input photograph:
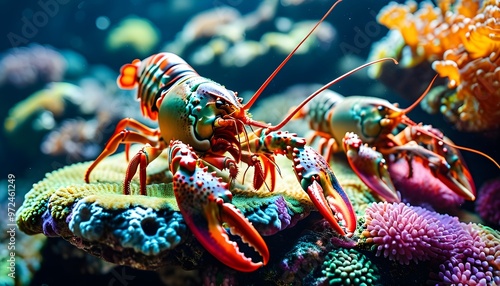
{"type": "Point", "coordinates": [461, 39]}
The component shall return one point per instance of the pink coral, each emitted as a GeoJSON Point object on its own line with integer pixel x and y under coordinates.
{"type": "Point", "coordinates": [476, 264]}
{"type": "Point", "coordinates": [467, 254]}
{"type": "Point", "coordinates": [405, 233]}
{"type": "Point", "coordinates": [488, 202]}
{"type": "Point", "coordinates": [458, 273]}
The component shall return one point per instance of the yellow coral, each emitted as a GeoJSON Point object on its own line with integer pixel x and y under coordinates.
{"type": "Point", "coordinates": [462, 39]}
{"type": "Point", "coordinates": [138, 33]}
{"type": "Point", "coordinates": [50, 99]}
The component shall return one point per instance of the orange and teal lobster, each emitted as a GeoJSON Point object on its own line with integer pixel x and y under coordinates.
{"type": "Point", "coordinates": [373, 133]}
{"type": "Point", "coordinates": [202, 127]}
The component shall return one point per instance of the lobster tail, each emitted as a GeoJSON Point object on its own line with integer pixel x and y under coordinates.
{"type": "Point", "coordinates": [128, 78]}
{"type": "Point", "coordinates": [153, 76]}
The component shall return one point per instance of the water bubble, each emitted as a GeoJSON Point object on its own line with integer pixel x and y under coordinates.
{"type": "Point", "coordinates": [102, 22]}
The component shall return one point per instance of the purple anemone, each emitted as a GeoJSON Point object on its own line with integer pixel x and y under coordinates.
{"type": "Point", "coordinates": [405, 233]}
{"type": "Point", "coordinates": [488, 202]}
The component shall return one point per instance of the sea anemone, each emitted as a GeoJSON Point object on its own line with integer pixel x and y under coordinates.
{"type": "Point", "coordinates": [479, 263]}
{"type": "Point", "coordinates": [461, 39]}
{"type": "Point", "coordinates": [488, 202]}
{"type": "Point", "coordinates": [405, 233]}
{"type": "Point", "coordinates": [458, 273]}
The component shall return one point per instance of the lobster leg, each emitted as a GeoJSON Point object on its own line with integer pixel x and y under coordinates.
{"type": "Point", "coordinates": [327, 145]}
{"type": "Point", "coordinates": [205, 203]}
{"type": "Point", "coordinates": [128, 122]}
{"type": "Point", "coordinates": [314, 175]}
{"type": "Point", "coordinates": [122, 137]}
{"type": "Point", "coordinates": [264, 165]}
{"type": "Point", "coordinates": [142, 159]}
{"type": "Point", "coordinates": [370, 166]}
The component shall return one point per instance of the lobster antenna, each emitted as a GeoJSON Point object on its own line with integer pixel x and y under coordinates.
{"type": "Point", "coordinates": [326, 86]}
{"type": "Point", "coordinates": [474, 151]}
{"type": "Point", "coordinates": [453, 145]}
{"type": "Point", "coordinates": [275, 72]}
{"type": "Point", "coordinates": [417, 102]}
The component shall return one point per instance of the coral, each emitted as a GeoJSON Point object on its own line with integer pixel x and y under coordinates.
{"type": "Point", "coordinates": [349, 267]}
{"type": "Point", "coordinates": [303, 258]}
{"type": "Point", "coordinates": [458, 273]}
{"type": "Point", "coordinates": [271, 217]}
{"type": "Point", "coordinates": [224, 23]}
{"type": "Point", "coordinates": [45, 104]}
{"type": "Point", "coordinates": [463, 254]}
{"type": "Point", "coordinates": [94, 216]}
{"type": "Point", "coordinates": [208, 23]}
{"type": "Point", "coordinates": [68, 119]}
{"type": "Point", "coordinates": [241, 53]}
{"type": "Point", "coordinates": [479, 263]}
{"type": "Point", "coordinates": [29, 65]}
{"type": "Point", "coordinates": [405, 233]}
{"type": "Point", "coordinates": [21, 253]}
{"type": "Point", "coordinates": [144, 232]}
{"type": "Point", "coordinates": [461, 40]}
{"type": "Point", "coordinates": [488, 201]}
{"type": "Point", "coordinates": [78, 138]}
{"type": "Point", "coordinates": [135, 32]}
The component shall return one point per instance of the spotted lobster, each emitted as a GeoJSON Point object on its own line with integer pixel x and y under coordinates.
{"type": "Point", "coordinates": [374, 133]}
{"type": "Point", "coordinates": [201, 126]}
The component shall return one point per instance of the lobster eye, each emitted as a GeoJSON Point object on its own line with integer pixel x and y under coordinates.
{"type": "Point", "coordinates": [219, 103]}
{"type": "Point", "coordinates": [380, 108]}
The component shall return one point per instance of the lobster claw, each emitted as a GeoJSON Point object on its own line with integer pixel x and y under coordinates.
{"type": "Point", "coordinates": [446, 165]}
{"type": "Point", "coordinates": [455, 174]}
{"type": "Point", "coordinates": [324, 190]}
{"type": "Point", "coordinates": [205, 203]}
{"type": "Point", "coordinates": [370, 166]}
{"type": "Point", "coordinates": [458, 181]}
{"type": "Point", "coordinates": [217, 241]}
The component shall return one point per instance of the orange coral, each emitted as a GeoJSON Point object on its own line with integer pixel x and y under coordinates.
{"type": "Point", "coordinates": [462, 39]}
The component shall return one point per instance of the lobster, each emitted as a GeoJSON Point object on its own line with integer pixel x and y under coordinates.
{"type": "Point", "coordinates": [200, 124]}
{"type": "Point", "coordinates": [373, 133]}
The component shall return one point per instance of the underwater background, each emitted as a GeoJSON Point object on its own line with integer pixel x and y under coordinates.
{"type": "Point", "coordinates": [59, 61]}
